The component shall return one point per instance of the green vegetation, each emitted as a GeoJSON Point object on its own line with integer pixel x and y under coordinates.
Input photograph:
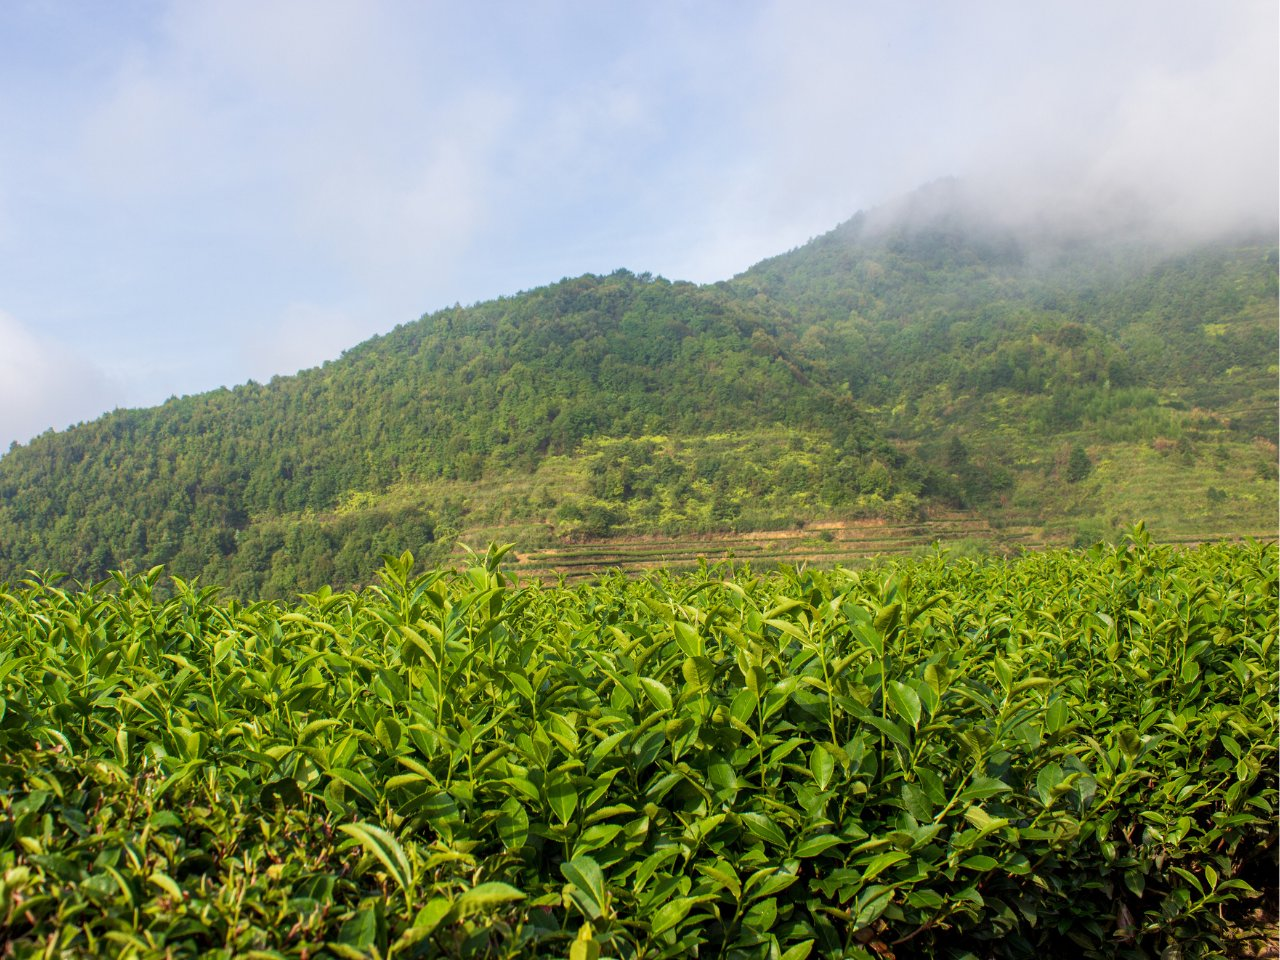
{"type": "Point", "coordinates": [911, 361]}
{"type": "Point", "coordinates": [1068, 751]}
{"type": "Point", "coordinates": [235, 485]}
{"type": "Point", "coordinates": [721, 482]}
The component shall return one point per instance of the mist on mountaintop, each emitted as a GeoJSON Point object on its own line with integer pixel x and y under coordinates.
{"type": "Point", "coordinates": [1044, 224]}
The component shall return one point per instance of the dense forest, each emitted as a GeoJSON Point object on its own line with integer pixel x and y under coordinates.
{"type": "Point", "coordinates": [913, 357]}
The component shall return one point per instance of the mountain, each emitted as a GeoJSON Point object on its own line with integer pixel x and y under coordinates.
{"type": "Point", "coordinates": [913, 300]}
{"type": "Point", "coordinates": [919, 356]}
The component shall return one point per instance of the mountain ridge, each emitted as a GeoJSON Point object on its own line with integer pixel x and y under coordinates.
{"type": "Point", "coordinates": [859, 373]}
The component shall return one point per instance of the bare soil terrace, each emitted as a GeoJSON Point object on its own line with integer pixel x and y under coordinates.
{"type": "Point", "coordinates": [822, 543]}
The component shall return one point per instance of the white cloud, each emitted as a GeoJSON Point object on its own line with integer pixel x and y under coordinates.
{"type": "Point", "coordinates": [1062, 107]}
{"type": "Point", "coordinates": [146, 140]}
{"type": "Point", "coordinates": [343, 133]}
{"type": "Point", "coordinates": [404, 212]}
{"type": "Point", "coordinates": [43, 385]}
{"type": "Point", "coordinates": [1200, 143]}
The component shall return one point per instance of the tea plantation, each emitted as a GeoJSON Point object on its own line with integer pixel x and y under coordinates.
{"type": "Point", "coordinates": [1066, 754]}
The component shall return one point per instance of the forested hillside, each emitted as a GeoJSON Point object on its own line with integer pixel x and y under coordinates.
{"type": "Point", "coordinates": [935, 299]}
{"type": "Point", "coordinates": [910, 359]}
{"type": "Point", "coordinates": [461, 393]}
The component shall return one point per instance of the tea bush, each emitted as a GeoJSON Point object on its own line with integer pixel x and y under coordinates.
{"type": "Point", "coordinates": [1068, 753]}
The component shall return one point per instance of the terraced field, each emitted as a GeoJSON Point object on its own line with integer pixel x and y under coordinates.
{"type": "Point", "coordinates": [1205, 493]}
{"type": "Point", "coordinates": [822, 544]}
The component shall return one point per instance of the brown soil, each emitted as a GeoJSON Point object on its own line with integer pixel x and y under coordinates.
{"type": "Point", "coordinates": [1257, 936]}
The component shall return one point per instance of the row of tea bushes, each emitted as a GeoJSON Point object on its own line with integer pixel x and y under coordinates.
{"type": "Point", "coordinates": [1068, 753]}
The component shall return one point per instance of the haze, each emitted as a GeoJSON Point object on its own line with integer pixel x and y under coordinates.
{"type": "Point", "coordinates": [195, 194]}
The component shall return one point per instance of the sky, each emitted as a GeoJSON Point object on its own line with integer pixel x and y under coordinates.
{"type": "Point", "coordinates": [196, 193]}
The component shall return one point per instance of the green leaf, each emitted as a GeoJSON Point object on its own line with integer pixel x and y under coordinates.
{"type": "Point", "coordinates": [521, 684]}
{"type": "Point", "coordinates": [767, 881]}
{"type": "Point", "coordinates": [798, 952]}
{"type": "Point", "coordinates": [984, 821]}
{"type": "Point", "coordinates": [526, 788]}
{"type": "Point", "coordinates": [931, 784]}
{"type": "Point", "coordinates": [790, 629]}
{"type": "Point", "coordinates": [983, 787]}
{"type": "Point", "coordinates": [870, 904]}
{"type": "Point", "coordinates": [1191, 878]}
{"type": "Point", "coordinates": [587, 879]}
{"type": "Point", "coordinates": [404, 942]}
{"type": "Point", "coordinates": [890, 730]}
{"type": "Point", "coordinates": [485, 895]}
{"type": "Point", "coordinates": [357, 781]}
{"type": "Point", "coordinates": [280, 794]}
{"type": "Point", "coordinates": [762, 915]}
{"type": "Point", "coordinates": [1050, 776]}
{"type": "Point", "coordinates": [597, 836]}
{"type": "Point", "coordinates": [687, 639]}
{"type": "Point", "coordinates": [178, 778]}
{"type": "Point", "coordinates": [821, 765]}
{"type": "Point", "coordinates": [905, 703]}
{"type": "Point", "coordinates": [814, 846]}
{"type": "Point", "coordinates": [513, 825]}
{"type": "Point", "coordinates": [562, 797]}
{"type": "Point", "coordinates": [1135, 881]}
{"type": "Point", "coordinates": [724, 875]}
{"type": "Point", "coordinates": [389, 733]}
{"type": "Point", "coordinates": [915, 802]}
{"type": "Point", "coordinates": [1056, 716]}
{"type": "Point", "coordinates": [871, 637]}
{"type": "Point", "coordinates": [669, 914]}
{"type": "Point", "coordinates": [744, 705]}
{"type": "Point", "coordinates": [585, 947]}
{"type": "Point", "coordinates": [605, 747]}
{"type": "Point", "coordinates": [165, 883]}
{"type": "Point", "coordinates": [651, 863]}
{"type": "Point", "coordinates": [699, 672]}
{"type": "Point", "coordinates": [433, 914]}
{"type": "Point", "coordinates": [783, 605]}
{"type": "Point", "coordinates": [1004, 673]}
{"type": "Point", "coordinates": [778, 696]}
{"type": "Point", "coordinates": [387, 849]}
{"type": "Point", "coordinates": [887, 618]}
{"type": "Point", "coordinates": [361, 930]}
{"type": "Point", "coordinates": [657, 692]}
{"type": "Point", "coordinates": [925, 899]}
{"type": "Point", "coordinates": [764, 828]}
{"type": "Point", "coordinates": [937, 676]}
{"type": "Point", "coordinates": [882, 862]}
{"type": "Point", "coordinates": [1130, 742]}
{"type": "Point", "coordinates": [677, 727]}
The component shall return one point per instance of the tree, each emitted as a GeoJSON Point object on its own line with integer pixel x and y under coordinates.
{"type": "Point", "coordinates": [1079, 465]}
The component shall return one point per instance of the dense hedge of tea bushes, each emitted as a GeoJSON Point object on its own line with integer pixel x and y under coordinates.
{"type": "Point", "coordinates": [1065, 754]}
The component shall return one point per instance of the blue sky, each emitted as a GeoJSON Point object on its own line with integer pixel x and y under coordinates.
{"type": "Point", "coordinates": [198, 193]}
